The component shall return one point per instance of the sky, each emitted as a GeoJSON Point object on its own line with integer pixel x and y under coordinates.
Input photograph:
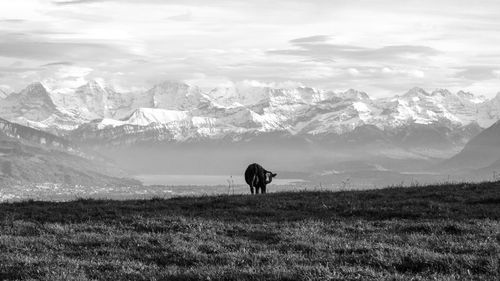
{"type": "Point", "coordinates": [382, 47]}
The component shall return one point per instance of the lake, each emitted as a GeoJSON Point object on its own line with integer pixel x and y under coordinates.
{"type": "Point", "coordinates": [203, 180]}
{"type": "Point", "coordinates": [155, 186]}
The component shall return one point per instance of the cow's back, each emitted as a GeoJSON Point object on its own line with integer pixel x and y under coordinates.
{"type": "Point", "coordinates": [252, 171]}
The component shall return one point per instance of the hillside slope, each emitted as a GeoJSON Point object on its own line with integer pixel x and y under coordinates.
{"type": "Point", "coordinates": [443, 232]}
{"type": "Point", "coordinates": [480, 152]}
{"type": "Point", "coordinates": [28, 155]}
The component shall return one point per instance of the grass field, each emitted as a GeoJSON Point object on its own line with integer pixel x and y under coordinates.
{"type": "Point", "coordinates": [446, 232]}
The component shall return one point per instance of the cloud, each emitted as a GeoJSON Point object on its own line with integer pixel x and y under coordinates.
{"type": "Point", "coordinates": [477, 72]}
{"type": "Point", "coordinates": [353, 71]}
{"type": "Point", "coordinates": [382, 46]}
{"type": "Point", "coordinates": [75, 2]}
{"type": "Point", "coordinates": [278, 85]}
{"type": "Point", "coordinates": [28, 46]}
{"type": "Point", "coordinates": [311, 39]}
{"type": "Point", "coordinates": [168, 2]}
{"type": "Point", "coordinates": [67, 77]}
{"type": "Point", "coordinates": [15, 69]}
{"type": "Point", "coordinates": [57, 63]}
{"type": "Point", "coordinates": [181, 17]}
{"type": "Point", "coordinates": [12, 20]}
{"type": "Point", "coordinates": [320, 51]}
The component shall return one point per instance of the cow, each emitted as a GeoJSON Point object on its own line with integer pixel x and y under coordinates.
{"type": "Point", "coordinates": [258, 177]}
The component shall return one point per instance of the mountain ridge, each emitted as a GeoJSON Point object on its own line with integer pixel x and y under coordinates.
{"type": "Point", "coordinates": [226, 111]}
{"type": "Point", "coordinates": [480, 152]}
{"type": "Point", "coordinates": [28, 155]}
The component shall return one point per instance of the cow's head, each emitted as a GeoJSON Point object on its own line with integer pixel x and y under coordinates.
{"type": "Point", "coordinates": [270, 176]}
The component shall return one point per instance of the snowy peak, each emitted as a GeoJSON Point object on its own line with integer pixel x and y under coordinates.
{"type": "Point", "coordinates": [303, 94]}
{"type": "Point", "coordinates": [32, 103]}
{"type": "Point", "coordinates": [441, 95]}
{"type": "Point", "coordinates": [93, 88]}
{"type": "Point", "coordinates": [175, 96]}
{"type": "Point", "coordinates": [92, 85]}
{"type": "Point", "coordinates": [440, 105]}
{"type": "Point", "coordinates": [92, 99]}
{"type": "Point", "coordinates": [169, 85]}
{"type": "Point", "coordinates": [415, 92]}
{"type": "Point", "coordinates": [471, 97]}
{"type": "Point", "coordinates": [35, 93]}
{"type": "Point", "coordinates": [34, 107]}
{"type": "Point", "coordinates": [466, 95]}
{"type": "Point", "coordinates": [248, 95]}
{"type": "Point", "coordinates": [354, 95]}
{"type": "Point", "coordinates": [226, 96]}
{"type": "Point", "coordinates": [147, 116]}
{"type": "Point", "coordinates": [441, 92]}
{"type": "Point", "coordinates": [35, 86]}
{"type": "Point", "coordinates": [233, 96]}
{"type": "Point", "coordinates": [419, 92]}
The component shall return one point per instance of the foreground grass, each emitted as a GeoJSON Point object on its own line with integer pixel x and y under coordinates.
{"type": "Point", "coordinates": [423, 233]}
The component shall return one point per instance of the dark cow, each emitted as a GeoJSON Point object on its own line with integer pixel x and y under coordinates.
{"type": "Point", "coordinates": [258, 177]}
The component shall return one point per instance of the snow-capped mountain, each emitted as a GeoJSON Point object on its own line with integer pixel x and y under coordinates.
{"type": "Point", "coordinates": [416, 119]}
{"type": "Point", "coordinates": [179, 112]}
{"type": "Point", "coordinates": [246, 95]}
{"type": "Point", "coordinates": [172, 95]}
{"type": "Point", "coordinates": [425, 108]}
{"type": "Point", "coordinates": [33, 103]}
{"type": "Point", "coordinates": [93, 101]}
{"type": "Point", "coordinates": [34, 107]}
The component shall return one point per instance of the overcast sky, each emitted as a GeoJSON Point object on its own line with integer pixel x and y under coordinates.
{"type": "Point", "coordinates": [383, 47]}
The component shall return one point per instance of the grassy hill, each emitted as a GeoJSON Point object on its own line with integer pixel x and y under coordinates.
{"type": "Point", "coordinates": [447, 232]}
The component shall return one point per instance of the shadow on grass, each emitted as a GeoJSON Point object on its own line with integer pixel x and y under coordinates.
{"type": "Point", "coordinates": [460, 201]}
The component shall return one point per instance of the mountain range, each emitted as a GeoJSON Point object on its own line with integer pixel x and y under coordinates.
{"type": "Point", "coordinates": [226, 111]}
{"type": "Point", "coordinates": [318, 126]}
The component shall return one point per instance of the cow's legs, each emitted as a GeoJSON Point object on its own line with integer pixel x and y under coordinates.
{"type": "Point", "coordinates": [263, 190]}
{"type": "Point", "coordinates": [255, 184]}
